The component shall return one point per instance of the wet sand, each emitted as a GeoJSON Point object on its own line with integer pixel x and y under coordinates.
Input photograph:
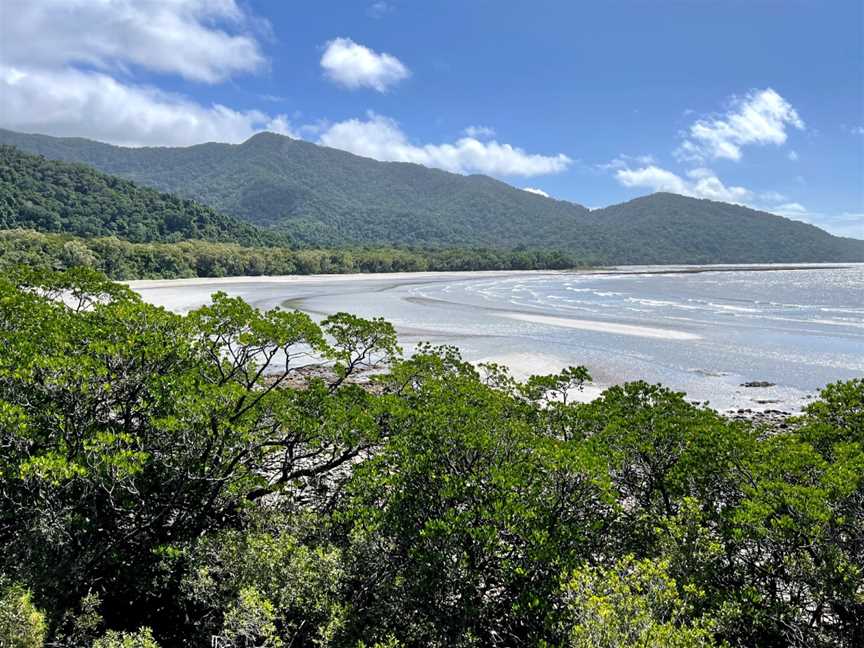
{"type": "Point", "coordinates": [709, 357]}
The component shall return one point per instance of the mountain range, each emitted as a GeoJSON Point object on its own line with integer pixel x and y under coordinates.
{"type": "Point", "coordinates": [314, 196]}
{"type": "Point", "coordinates": [70, 198]}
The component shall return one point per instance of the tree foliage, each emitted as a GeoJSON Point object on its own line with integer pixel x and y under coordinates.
{"type": "Point", "coordinates": [169, 479]}
{"type": "Point", "coordinates": [121, 259]}
{"type": "Point", "coordinates": [52, 196]}
{"type": "Point", "coordinates": [634, 603]}
{"type": "Point", "coordinates": [22, 624]}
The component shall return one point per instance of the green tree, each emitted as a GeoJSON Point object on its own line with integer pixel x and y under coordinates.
{"type": "Point", "coordinates": [633, 603]}
{"type": "Point", "coordinates": [22, 625]}
{"type": "Point", "coordinates": [466, 517]}
{"type": "Point", "coordinates": [249, 621]}
{"type": "Point", "coordinates": [138, 430]}
{"type": "Point", "coordinates": [142, 638]}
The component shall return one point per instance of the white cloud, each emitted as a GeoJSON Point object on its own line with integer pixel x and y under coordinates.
{"type": "Point", "coordinates": [699, 183]}
{"type": "Point", "coordinates": [761, 117]}
{"type": "Point", "coordinates": [479, 132]}
{"type": "Point", "coordinates": [200, 40]}
{"type": "Point", "coordinates": [624, 162]}
{"type": "Point", "coordinates": [534, 190]}
{"type": "Point", "coordinates": [91, 104]}
{"type": "Point", "coordinates": [856, 130]}
{"type": "Point", "coordinates": [653, 178]}
{"type": "Point", "coordinates": [705, 184]}
{"type": "Point", "coordinates": [67, 68]}
{"type": "Point", "coordinates": [355, 66]}
{"type": "Point", "coordinates": [381, 138]}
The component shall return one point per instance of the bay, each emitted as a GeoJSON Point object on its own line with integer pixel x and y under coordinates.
{"type": "Point", "coordinates": [704, 330]}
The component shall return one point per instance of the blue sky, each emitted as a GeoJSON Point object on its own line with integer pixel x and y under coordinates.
{"type": "Point", "coordinates": [757, 102]}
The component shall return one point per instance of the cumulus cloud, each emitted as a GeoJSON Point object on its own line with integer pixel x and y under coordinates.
{"type": "Point", "coordinates": [652, 177]}
{"type": "Point", "coordinates": [705, 184]}
{"type": "Point", "coordinates": [66, 68]}
{"type": "Point", "coordinates": [381, 138]}
{"type": "Point", "coordinates": [698, 183]}
{"type": "Point", "coordinates": [353, 66]}
{"type": "Point", "coordinates": [534, 190]}
{"type": "Point", "coordinates": [91, 104]}
{"type": "Point", "coordinates": [760, 117]}
{"type": "Point", "coordinates": [200, 40]}
{"type": "Point", "coordinates": [625, 161]}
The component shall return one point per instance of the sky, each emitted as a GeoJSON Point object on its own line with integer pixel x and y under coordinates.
{"type": "Point", "coordinates": [757, 102]}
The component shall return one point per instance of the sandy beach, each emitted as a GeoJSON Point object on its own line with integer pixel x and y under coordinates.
{"type": "Point", "coordinates": [604, 327]}
{"type": "Point", "coordinates": [793, 328]}
{"type": "Point", "coordinates": [144, 284]}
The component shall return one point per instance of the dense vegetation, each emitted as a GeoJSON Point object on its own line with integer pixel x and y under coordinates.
{"type": "Point", "coordinates": [50, 196]}
{"type": "Point", "coordinates": [326, 197]}
{"type": "Point", "coordinates": [323, 197]}
{"type": "Point", "coordinates": [704, 231]}
{"type": "Point", "coordinates": [124, 260]}
{"type": "Point", "coordinates": [166, 479]}
{"type": "Point", "coordinates": [60, 215]}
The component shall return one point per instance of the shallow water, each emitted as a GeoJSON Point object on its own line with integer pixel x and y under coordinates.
{"type": "Point", "coordinates": [704, 333]}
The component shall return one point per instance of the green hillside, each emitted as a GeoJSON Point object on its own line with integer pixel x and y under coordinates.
{"type": "Point", "coordinates": [705, 231]}
{"type": "Point", "coordinates": [329, 198]}
{"type": "Point", "coordinates": [51, 196]}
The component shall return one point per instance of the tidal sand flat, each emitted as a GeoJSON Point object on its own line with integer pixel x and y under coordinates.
{"type": "Point", "coordinates": [604, 327]}
{"type": "Point", "coordinates": [705, 330]}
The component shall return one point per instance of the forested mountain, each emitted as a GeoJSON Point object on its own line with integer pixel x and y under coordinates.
{"type": "Point", "coordinates": [327, 197]}
{"type": "Point", "coordinates": [52, 196]}
{"type": "Point", "coordinates": [61, 215]}
{"type": "Point", "coordinates": [673, 227]}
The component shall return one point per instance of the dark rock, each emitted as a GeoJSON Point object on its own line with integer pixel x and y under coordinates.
{"type": "Point", "coordinates": [757, 383]}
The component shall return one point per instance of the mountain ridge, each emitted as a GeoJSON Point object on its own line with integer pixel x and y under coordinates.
{"type": "Point", "coordinates": [326, 197]}
{"type": "Point", "coordinates": [73, 198]}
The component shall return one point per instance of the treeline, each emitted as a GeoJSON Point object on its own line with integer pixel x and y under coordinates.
{"type": "Point", "coordinates": [121, 259]}
{"type": "Point", "coordinates": [173, 480]}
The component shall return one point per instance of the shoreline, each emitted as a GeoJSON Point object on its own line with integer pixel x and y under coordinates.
{"type": "Point", "coordinates": [521, 365]}
{"type": "Point", "coordinates": [421, 307]}
{"type": "Point", "coordinates": [457, 274]}
{"type": "Point", "coordinates": [771, 420]}
{"type": "Point", "coordinates": [334, 278]}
